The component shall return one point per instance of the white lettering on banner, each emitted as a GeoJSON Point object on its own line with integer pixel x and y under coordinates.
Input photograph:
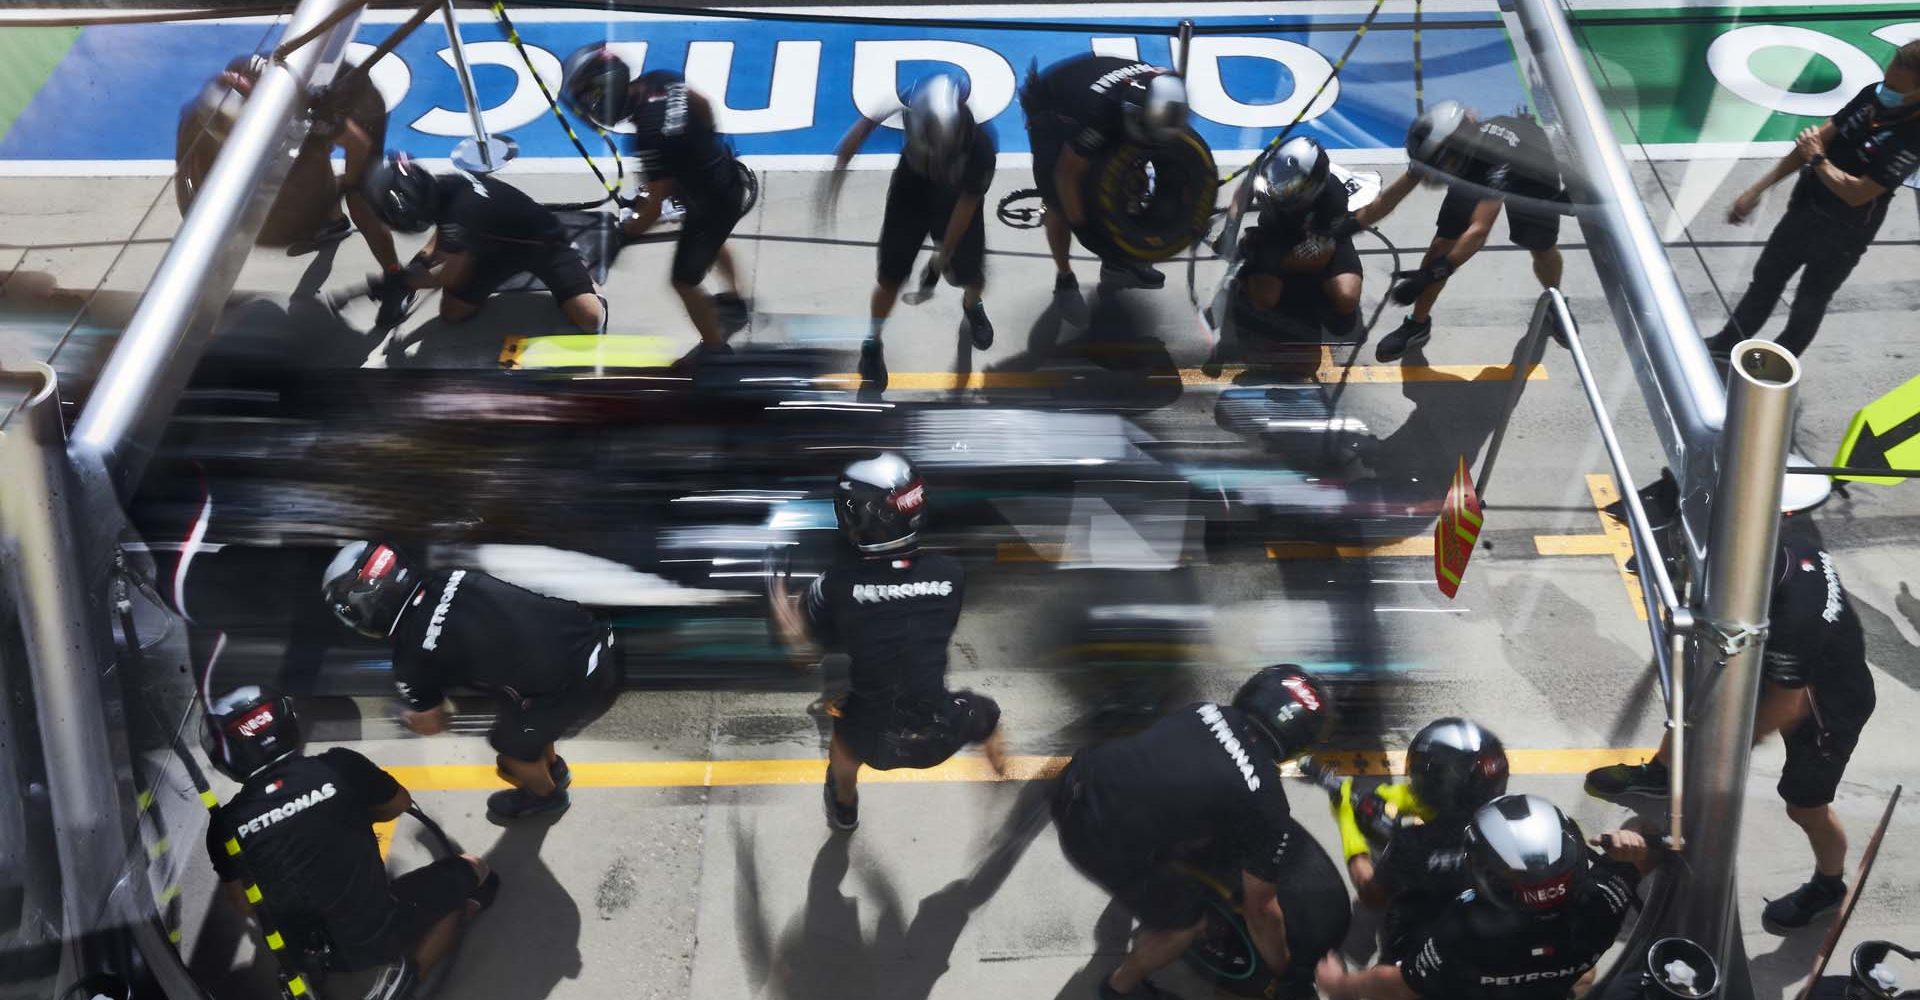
{"type": "Point", "coordinates": [525, 105]}
{"type": "Point", "coordinates": [1127, 47]}
{"type": "Point", "coordinates": [392, 77]}
{"type": "Point", "coordinates": [300, 804]}
{"type": "Point", "coordinates": [1209, 95]}
{"type": "Point", "coordinates": [876, 71]}
{"type": "Point", "coordinates": [1730, 58]}
{"type": "Point", "coordinates": [874, 593]}
{"type": "Point", "coordinates": [1222, 732]}
{"type": "Point", "coordinates": [790, 97]}
{"type": "Point", "coordinates": [438, 622]}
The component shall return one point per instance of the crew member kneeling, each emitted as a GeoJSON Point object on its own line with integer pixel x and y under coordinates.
{"type": "Point", "coordinates": [1077, 109]}
{"type": "Point", "coordinates": [548, 662]}
{"type": "Point", "coordinates": [893, 610]}
{"type": "Point", "coordinates": [1202, 780]}
{"type": "Point", "coordinates": [485, 231]}
{"type": "Point", "coordinates": [1542, 912]}
{"type": "Point", "coordinates": [301, 829]}
{"type": "Point", "coordinates": [1305, 235]}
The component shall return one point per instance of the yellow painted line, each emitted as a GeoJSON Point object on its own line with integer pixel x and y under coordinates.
{"type": "Point", "coordinates": [383, 835]}
{"type": "Point", "coordinates": [1415, 547]}
{"type": "Point", "coordinates": [810, 771]}
{"type": "Point", "coordinates": [1573, 545]}
{"type": "Point", "coordinates": [1325, 370]}
{"type": "Point", "coordinates": [1600, 486]}
{"type": "Point", "coordinates": [1027, 552]}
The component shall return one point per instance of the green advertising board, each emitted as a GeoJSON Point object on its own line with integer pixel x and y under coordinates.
{"type": "Point", "coordinates": [1687, 75]}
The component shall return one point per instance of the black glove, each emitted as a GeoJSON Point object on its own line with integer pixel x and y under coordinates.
{"type": "Point", "coordinates": [1412, 283]}
{"type": "Point", "coordinates": [1344, 227]}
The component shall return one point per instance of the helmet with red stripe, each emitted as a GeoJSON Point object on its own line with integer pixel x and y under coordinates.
{"type": "Point", "coordinates": [367, 586]}
{"type": "Point", "coordinates": [249, 729]}
{"type": "Point", "coordinates": [1526, 855]}
{"type": "Point", "coordinates": [881, 503]}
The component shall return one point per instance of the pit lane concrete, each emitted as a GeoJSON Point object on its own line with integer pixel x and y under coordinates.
{"type": "Point", "coordinates": [733, 891]}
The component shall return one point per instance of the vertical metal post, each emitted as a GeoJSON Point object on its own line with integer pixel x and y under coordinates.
{"type": "Point", "coordinates": [65, 650]}
{"type": "Point", "coordinates": [1533, 348]}
{"type": "Point", "coordinates": [1739, 584]}
{"type": "Point", "coordinates": [483, 154]}
{"type": "Point", "coordinates": [1183, 45]}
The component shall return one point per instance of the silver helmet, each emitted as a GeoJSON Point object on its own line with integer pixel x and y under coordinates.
{"type": "Point", "coordinates": [1156, 110]}
{"type": "Point", "coordinates": [1526, 855]}
{"type": "Point", "coordinates": [1295, 173]}
{"type": "Point", "coordinates": [939, 126]}
{"type": "Point", "coordinates": [1438, 132]}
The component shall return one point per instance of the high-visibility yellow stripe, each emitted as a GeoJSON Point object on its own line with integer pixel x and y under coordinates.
{"type": "Point", "coordinates": [1573, 545]}
{"type": "Point", "coordinates": [1418, 546]}
{"type": "Point", "coordinates": [297, 986]}
{"type": "Point", "coordinates": [1452, 577]}
{"type": "Point", "coordinates": [809, 771]}
{"type": "Point", "coordinates": [274, 941]}
{"type": "Point", "coordinates": [208, 799]}
{"type": "Point", "coordinates": [1326, 370]}
{"type": "Point", "coordinates": [1600, 486]}
{"type": "Point", "coordinates": [145, 800]}
{"type": "Point", "coordinates": [233, 847]}
{"type": "Point", "coordinates": [166, 895]}
{"type": "Point", "coordinates": [253, 893]}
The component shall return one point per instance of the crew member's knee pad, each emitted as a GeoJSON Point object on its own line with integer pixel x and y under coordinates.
{"type": "Point", "coordinates": [1343, 323]}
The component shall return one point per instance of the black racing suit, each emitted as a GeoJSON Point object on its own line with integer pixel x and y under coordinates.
{"type": "Point", "coordinates": [304, 832]}
{"type": "Point", "coordinates": [547, 661]}
{"type": "Point", "coordinates": [920, 203]}
{"type": "Point", "coordinates": [1076, 103]}
{"type": "Point", "coordinates": [1822, 233]}
{"type": "Point", "coordinates": [505, 233]}
{"type": "Point", "coordinates": [1815, 642]}
{"type": "Point", "coordinates": [1138, 814]}
{"type": "Point", "coordinates": [1479, 950]}
{"type": "Point", "coordinates": [1422, 868]}
{"type": "Point", "coordinates": [893, 618]}
{"type": "Point", "coordinates": [1507, 155]}
{"type": "Point", "coordinates": [674, 140]}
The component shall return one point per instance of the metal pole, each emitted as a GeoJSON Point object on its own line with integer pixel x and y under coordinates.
{"type": "Point", "coordinates": [141, 381]}
{"type": "Point", "coordinates": [65, 651]}
{"type": "Point", "coordinates": [1739, 583]}
{"type": "Point", "coordinates": [484, 153]}
{"type": "Point", "coordinates": [1676, 377]}
{"type": "Point", "coordinates": [1533, 349]}
{"type": "Point", "coordinates": [1183, 44]}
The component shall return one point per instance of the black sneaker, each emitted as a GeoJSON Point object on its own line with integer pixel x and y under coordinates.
{"type": "Point", "coordinates": [1066, 284]}
{"type": "Point", "coordinates": [1145, 991]}
{"type": "Point", "coordinates": [1614, 780]}
{"type": "Point", "coordinates": [1130, 274]}
{"type": "Point", "coordinates": [1067, 298]}
{"type": "Point", "coordinates": [515, 804]}
{"type": "Point", "coordinates": [845, 818]}
{"type": "Point", "coordinates": [396, 301]}
{"type": "Point", "coordinates": [733, 312]}
{"type": "Point", "coordinates": [562, 774]}
{"type": "Point", "coordinates": [701, 352]}
{"type": "Point", "coordinates": [1411, 334]}
{"type": "Point", "coordinates": [979, 325]}
{"type": "Point", "coordinates": [333, 232]}
{"type": "Point", "coordinates": [873, 366]}
{"type": "Point", "coordinates": [1816, 897]}
{"type": "Point", "coordinates": [398, 981]}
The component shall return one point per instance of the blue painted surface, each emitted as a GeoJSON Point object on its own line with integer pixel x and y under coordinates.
{"type": "Point", "coordinates": [117, 94]}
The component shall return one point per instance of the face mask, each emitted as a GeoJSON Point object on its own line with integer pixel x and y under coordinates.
{"type": "Point", "coordinates": [1887, 96]}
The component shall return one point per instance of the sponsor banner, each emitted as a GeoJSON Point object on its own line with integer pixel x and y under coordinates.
{"type": "Point", "coordinates": [1717, 75]}
{"type": "Point", "coordinates": [788, 89]}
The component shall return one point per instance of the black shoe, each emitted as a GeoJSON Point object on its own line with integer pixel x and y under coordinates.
{"type": "Point", "coordinates": [701, 352]}
{"type": "Point", "coordinates": [733, 312]}
{"type": "Point", "coordinates": [487, 891]}
{"type": "Point", "coordinates": [1659, 499]}
{"type": "Point", "coordinates": [333, 232]}
{"type": "Point", "coordinates": [562, 774]}
{"type": "Point", "coordinates": [1067, 298]}
{"type": "Point", "coordinates": [1145, 991]}
{"type": "Point", "coordinates": [516, 803]}
{"type": "Point", "coordinates": [873, 367]}
{"type": "Point", "coordinates": [1815, 897]}
{"type": "Point", "coordinates": [979, 325]}
{"type": "Point", "coordinates": [396, 301]}
{"type": "Point", "coordinates": [845, 819]}
{"type": "Point", "coordinates": [1129, 274]}
{"type": "Point", "coordinates": [398, 981]}
{"type": "Point", "coordinates": [1411, 334]}
{"type": "Point", "coordinates": [1066, 284]}
{"type": "Point", "coordinates": [1650, 779]}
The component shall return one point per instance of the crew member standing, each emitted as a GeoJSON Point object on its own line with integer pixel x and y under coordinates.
{"type": "Point", "coordinates": [301, 829]}
{"type": "Point", "coordinates": [485, 231]}
{"type": "Point", "coordinates": [1201, 788]}
{"type": "Point", "coordinates": [1077, 109]}
{"type": "Point", "coordinates": [1816, 688]}
{"type": "Point", "coordinates": [1491, 160]}
{"type": "Point", "coordinates": [683, 157]}
{"type": "Point", "coordinates": [547, 662]}
{"type": "Point", "coordinates": [893, 609]}
{"type": "Point", "coordinates": [1542, 912]}
{"type": "Point", "coordinates": [1849, 169]}
{"type": "Point", "coordinates": [945, 168]}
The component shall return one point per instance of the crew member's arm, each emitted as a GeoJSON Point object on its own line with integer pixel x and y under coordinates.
{"type": "Point", "coordinates": [384, 797]}
{"type": "Point", "coordinates": [1389, 199]}
{"type": "Point", "coordinates": [800, 622]}
{"type": "Point", "coordinates": [1630, 847]}
{"type": "Point", "coordinates": [646, 209]}
{"type": "Point", "coordinates": [1382, 982]}
{"type": "Point", "coordinates": [1796, 157]}
{"type": "Point", "coordinates": [1479, 227]}
{"type": "Point", "coordinates": [1261, 906]}
{"type": "Point", "coordinates": [1067, 173]}
{"type": "Point", "coordinates": [1855, 191]}
{"type": "Point", "coordinates": [843, 155]}
{"type": "Point", "coordinates": [964, 209]}
{"type": "Point", "coordinates": [425, 709]}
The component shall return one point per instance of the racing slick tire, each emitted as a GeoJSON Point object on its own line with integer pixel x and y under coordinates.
{"type": "Point", "coordinates": [1313, 895]}
{"type": "Point", "coordinates": [1149, 203]}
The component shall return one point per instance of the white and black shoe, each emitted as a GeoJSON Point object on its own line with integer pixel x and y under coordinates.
{"type": "Point", "coordinates": [844, 818]}
{"type": "Point", "coordinates": [1411, 334]}
{"type": "Point", "coordinates": [978, 325]}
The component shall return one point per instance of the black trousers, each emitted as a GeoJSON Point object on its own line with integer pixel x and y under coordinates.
{"type": "Point", "coordinates": [1827, 249]}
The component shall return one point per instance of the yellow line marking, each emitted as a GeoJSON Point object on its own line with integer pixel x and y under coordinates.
{"type": "Point", "coordinates": [1573, 545]}
{"type": "Point", "coordinates": [1600, 486]}
{"type": "Point", "coordinates": [1325, 370]}
{"type": "Point", "coordinates": [383, 835]}
{"type": "Point", "coordinates": [1414, 547]}
{"type": "Point", "coordinates": [809, 771]}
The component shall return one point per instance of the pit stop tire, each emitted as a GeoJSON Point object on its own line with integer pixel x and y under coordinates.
{"type": "Point", "coordinates": [1149, 203]}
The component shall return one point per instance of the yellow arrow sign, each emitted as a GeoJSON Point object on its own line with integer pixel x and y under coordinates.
{"type": "Point", "coordinates": [1885, 434]}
